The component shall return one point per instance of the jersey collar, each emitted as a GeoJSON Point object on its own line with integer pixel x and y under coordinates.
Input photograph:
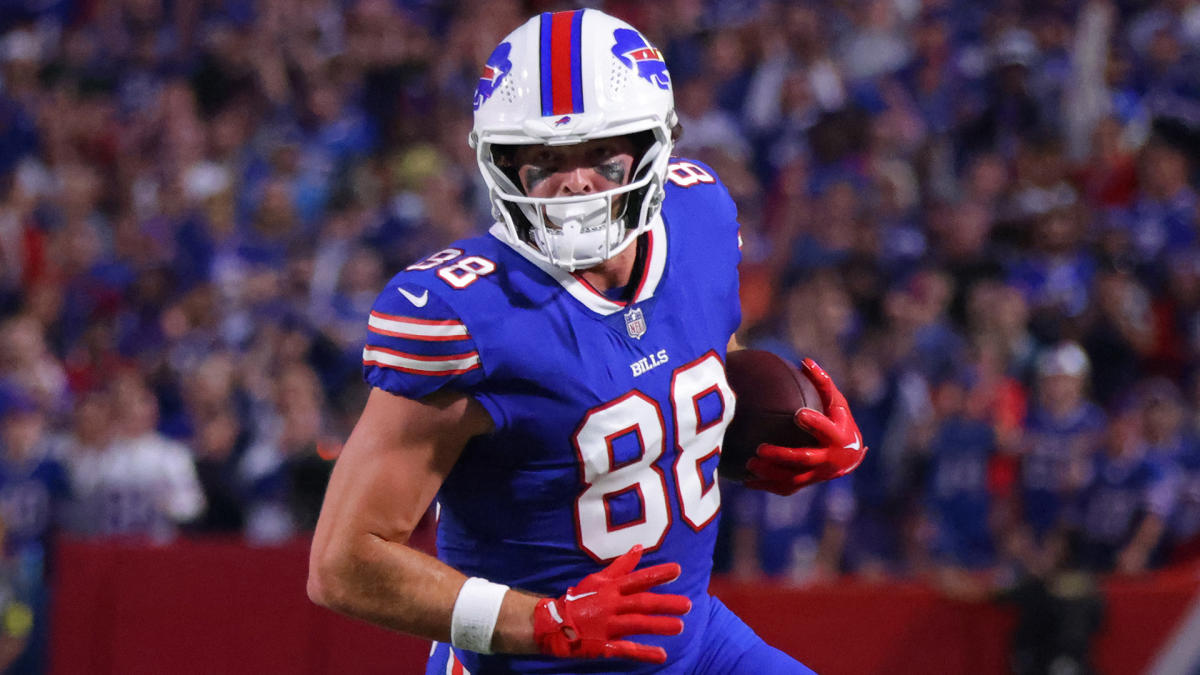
{"type": "Point", "coordinates": [652, 271]}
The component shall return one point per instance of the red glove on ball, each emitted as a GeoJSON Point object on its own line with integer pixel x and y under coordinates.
{"type": "Point", "coordinates": [610, 604]}
{"type": "Point", "coordinates": [785, 470]}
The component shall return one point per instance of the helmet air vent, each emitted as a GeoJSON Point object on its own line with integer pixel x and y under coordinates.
{"type": "Point", "coordinates": [618, 77]}
{"type": "Point", "coordinates": [508, 90]}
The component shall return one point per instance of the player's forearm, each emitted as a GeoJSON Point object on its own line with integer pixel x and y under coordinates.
{"type": "Point", "coordinates": [381, 486]}
{"type": "Point", "coordinates": [386, 583]}
{"type": "Point", "coordinates": [395, 586]}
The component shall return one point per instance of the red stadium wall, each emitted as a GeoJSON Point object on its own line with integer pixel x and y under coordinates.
{"type": "Point", "coordinates": [222, 607]}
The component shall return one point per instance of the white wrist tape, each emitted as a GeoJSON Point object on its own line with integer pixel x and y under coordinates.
{"type": "Point", "coordinates": [475, 612]}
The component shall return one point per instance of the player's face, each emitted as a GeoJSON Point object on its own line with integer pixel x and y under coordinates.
{"type": "Point", "coordinates": [569, 170]}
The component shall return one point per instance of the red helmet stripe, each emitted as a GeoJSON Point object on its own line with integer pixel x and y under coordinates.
{"type": "Point", "coordinates": [560, 60]}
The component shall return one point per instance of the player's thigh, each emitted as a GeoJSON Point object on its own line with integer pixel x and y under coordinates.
{"type": "Point", "coordinates": [731, 647]}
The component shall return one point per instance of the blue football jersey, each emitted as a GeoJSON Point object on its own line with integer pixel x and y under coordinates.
{"type": "Point", "coordinates": [608, 414]}
{"type": "Point", "coordinates": [1120, 492]}
{"type": "Point", "coordinates": [1184, 524]}
{"type": "Point", "coordinates": [1051, 445]}
{"type": "Point", "coordinates": [958, 497]}
{"type": "Point", "coordinates": [790, 527]}
{"type": "Point", "coordinates": [31, 496]}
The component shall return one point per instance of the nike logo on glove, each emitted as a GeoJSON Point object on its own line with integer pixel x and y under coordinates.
{"type": "Point", "coordinates": [418, 300]}
{"type": "Point", "coordinates": [568, 597]}
{"type": "Point", "coordinates": [856, 445]}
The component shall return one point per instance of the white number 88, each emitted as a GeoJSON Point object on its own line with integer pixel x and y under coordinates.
{"type": "Point", "coordinates": [697, 440]}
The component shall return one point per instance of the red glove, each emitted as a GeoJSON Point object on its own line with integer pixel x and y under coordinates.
{"type": "Point", "coordinates": [610, 604]}
{"type": "Point", "coordinates": [785, 470]}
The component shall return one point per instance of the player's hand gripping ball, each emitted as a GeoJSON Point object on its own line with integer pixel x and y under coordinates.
{"type": "Point", "coordinates": [769, 392]}
{"type": "Point", "coordinates": [589, 620]}
{"type": "Point", "coordinates": [776, 443]}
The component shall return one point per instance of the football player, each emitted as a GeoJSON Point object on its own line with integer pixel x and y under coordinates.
{"type": "Point", "coordinates": [558, 386]}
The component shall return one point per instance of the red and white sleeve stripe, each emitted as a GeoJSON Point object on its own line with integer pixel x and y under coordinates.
{"type": "Point", "coordinates": [450, 364]}
{"type": "Point", "coordinates": [416, 329]}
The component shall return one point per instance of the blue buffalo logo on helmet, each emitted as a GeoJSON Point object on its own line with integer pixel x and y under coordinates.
{"type": "Point", "coordinates": [633, 50]}
{"type": "Point", "coordinates": [498, 65]}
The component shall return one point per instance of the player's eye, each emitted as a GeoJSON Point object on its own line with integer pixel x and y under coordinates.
{"type": "Point", "coordinates": [544, 160]}
{"type": "Point", "coordinates": [613, 170]}
{"type": "Point", "coordinates": [540, 157]}
{"type": "Point", "coordinates": [601, 153]}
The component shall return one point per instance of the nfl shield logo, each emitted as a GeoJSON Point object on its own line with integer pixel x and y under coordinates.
{"type": "Point", "coordinates": [635, 323]}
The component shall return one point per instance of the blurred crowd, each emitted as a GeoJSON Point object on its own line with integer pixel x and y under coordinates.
{"type": "Point", "coordinates": [980, 218]}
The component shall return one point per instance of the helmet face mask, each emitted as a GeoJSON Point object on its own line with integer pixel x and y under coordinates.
{"type": "Point", "coordinates": [563, 79]}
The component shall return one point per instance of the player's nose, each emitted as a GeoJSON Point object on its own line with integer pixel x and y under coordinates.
{"type": "Point", "coordinates": [578, 181]}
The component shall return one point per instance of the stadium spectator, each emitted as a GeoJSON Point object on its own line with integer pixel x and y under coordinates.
{"type": "Point", "coordinates": [219, 436]}
{"type": "Point", "coordinates": [998, 312]}
{"type": "Point", "coordinates": [27, 363]}
{"type": "Point", "coordinates": [1117, 332]}
{"type": "Point", "coordinates": [281, 473]}
{"type": "Point", "coordinates": [1124, 499]}
{"type": "Point", "coordinates": [795, 539]}
{"type": "Point", "coordinates": [34, 492]}
{"type": "Point", "coordinates": [1163, 217]}
{"type": "Point", "coordinates": [142, 485]}
{"type": "Point", "coordinates": [960, 511]}
{"type": "Point", "coordinates": [875, 535]}
{"type": "Point", "coordinates": [1063, 433]}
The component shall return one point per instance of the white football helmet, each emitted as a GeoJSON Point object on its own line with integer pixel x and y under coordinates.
{"type": "Point", "coordinates": [570, 77]}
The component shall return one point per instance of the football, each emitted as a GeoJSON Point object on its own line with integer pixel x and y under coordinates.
{"type": "Point", "coordinates": [769, 391]}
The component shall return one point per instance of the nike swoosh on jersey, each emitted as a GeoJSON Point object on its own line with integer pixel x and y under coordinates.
{"type": "Point", "coordinates": [570, 598]}
{"type": "Point", "coordinates": [418, 300]}
{"type": "Point", "coordinates": [856, 445]}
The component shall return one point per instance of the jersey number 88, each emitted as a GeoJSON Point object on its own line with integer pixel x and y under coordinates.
{"type": "Point", "coordinates": [697, 441]}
